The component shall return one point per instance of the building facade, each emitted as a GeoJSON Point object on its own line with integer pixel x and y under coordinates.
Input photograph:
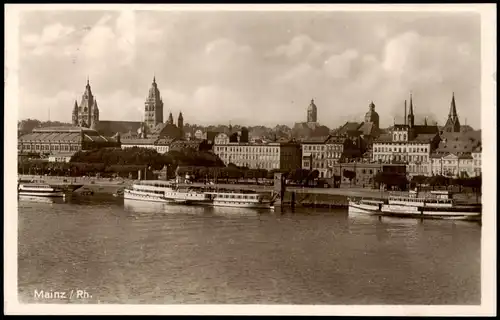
{"type": "Point", "coordinates": [86, 115]}
{"type": "Point", "coordinates": [476, 157]}
{"type": "Point", "coordinates": [283, 155]}
{"type": "Point", "coordinates": [153, 107]}
{"type": "Point", "coordinates": [408, 144]}
{"type": "Point", "coordinates": [453, 165]}
{"type": "Point", "coordinates": [57, 140]}
{"type": "Point", "coordinates": [364, 172]}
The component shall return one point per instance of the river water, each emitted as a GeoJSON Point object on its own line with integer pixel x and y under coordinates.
{"type": "Point", "coordinates": [122, 251]}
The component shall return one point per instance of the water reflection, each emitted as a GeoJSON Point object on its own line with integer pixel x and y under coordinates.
{"type": "Point", "coordinates": [137, 206]}
{"type": "Point", "coordinates": [127, 251]}
{"type": "Point", "coordinates": [23, 198]}
{"type": "Point", "coordinates": [230, 212]}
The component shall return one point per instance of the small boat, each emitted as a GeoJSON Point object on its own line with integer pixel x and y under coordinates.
{"type": "Point", "coordinates": [38, 189]}
{"type": "Point", "coordinates": [240, 199]}
{"type": "Point", "coordinates": [149, 190]}
{"type": "Point", "coordinates": [436, 205]}
{"type": "Point", "coordinates": [118, 193]}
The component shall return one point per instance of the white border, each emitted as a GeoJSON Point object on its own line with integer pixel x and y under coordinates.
{"type": "Point", "coordinates": [488, 124]}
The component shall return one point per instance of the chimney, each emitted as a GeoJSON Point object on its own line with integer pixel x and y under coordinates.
{"type": "Point", "coordinates": [405, 114]}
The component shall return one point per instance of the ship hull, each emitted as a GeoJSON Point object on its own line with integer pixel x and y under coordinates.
{"type": "Point", "coordinates": [48, 194]}
{"type": "Point", "coordinates": [218, 203]}
{"type": "Point", "coordinates": [456, 213]}
{"type": "Point", "coordinates": [130, 195]}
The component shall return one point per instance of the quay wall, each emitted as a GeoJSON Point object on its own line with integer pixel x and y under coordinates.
{"type": "Point", "coordinates": [320, 197]}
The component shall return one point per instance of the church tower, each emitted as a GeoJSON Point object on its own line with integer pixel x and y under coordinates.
{"type": "Point", "coordinates": [170, 119]}
{"type": "Point", "coordinates": [411, 116]}
{"type": "Point", "coordinates": [153, 107]}
{"type": "Point", "coordinates": [74, 116]}
{"type": "Point", "coordinates": [372, 115]}
{"type": "Point", "coordinates": [180, 124]}
{"type": "Point", "coordinates": [87, 113]}
{"type": "Point", "coordinates": [312, 112]}
{"type": "Point", "coordinates": [94, 118]}
{"type": "Point", "coordinates": [452, 124]}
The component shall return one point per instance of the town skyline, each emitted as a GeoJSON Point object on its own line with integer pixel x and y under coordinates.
{"type": "Point", "coordinates": [221, 76]}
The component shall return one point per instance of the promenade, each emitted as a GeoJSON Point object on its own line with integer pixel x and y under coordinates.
{"type": "Point", "coordinates": [107, 185]}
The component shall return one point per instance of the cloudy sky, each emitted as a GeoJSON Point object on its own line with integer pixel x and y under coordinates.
{"type": "Point", "coordinates": [251, 67]}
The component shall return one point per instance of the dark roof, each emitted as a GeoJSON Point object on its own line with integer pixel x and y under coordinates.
{"type": "Point", "coordinates": [368, 129]}
{"type": "Point", "coordinates": [164, 141]}
{"type": "Point", "coordinates": [349, 127]}
{"type": "Point", "coordinates": [335, 139]}
{"type": "Point", "coordinates": [52, 136]}
{"type": "Point", "coordinates": [108, 127]}
{"type": "Point", "coordinates": [429, 129]}
{"type": "Point", "coordinates": [424, 137]}
{"type": "Point", "coordinates": [69, 134]}
{"type": "Point", "coordinates": [312, 140]}
{"type": "Point", "coordinates": [139, 140]}
{"type": "Point", "coordinates": [62, 129]}
{"type": "Point", "coordinates": [385, 137]}
{"type": "Point", "coordinates": [459, 142]}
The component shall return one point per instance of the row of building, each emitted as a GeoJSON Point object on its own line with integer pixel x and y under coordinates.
{"type": "Point", "coordinates": [422, 149]}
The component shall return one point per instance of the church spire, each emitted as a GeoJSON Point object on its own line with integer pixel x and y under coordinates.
{"type": "Point", "coordinates": [453, 107]}
{"type": "Point", "coordinates": [411, 116]}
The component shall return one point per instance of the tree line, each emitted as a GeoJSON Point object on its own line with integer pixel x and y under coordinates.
{"type": "Point", "coordinates": [109, 162]}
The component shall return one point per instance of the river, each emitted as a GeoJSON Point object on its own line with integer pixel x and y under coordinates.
{"type": "Point", "coordinates": [118, 251]}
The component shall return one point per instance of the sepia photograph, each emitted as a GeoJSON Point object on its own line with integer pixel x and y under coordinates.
{"type": "Point", "coordinates": [250, 159]}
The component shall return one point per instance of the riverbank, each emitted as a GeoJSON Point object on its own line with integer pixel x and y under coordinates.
{"type": "Point", "coordinates": [306, 196]}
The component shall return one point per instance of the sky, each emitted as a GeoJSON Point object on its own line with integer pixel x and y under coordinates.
{"type": "Point", "coordinates": [251, 68]}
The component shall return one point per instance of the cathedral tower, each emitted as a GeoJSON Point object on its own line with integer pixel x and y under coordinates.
{"type": "Point", "coordinates": [87, 113]}
{"type": "Point", "coordinates": [452, 124]}
{"type": "Point", "coordinates": [153, 110]}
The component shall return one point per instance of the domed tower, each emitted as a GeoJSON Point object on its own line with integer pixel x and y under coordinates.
{"type": "Point", "coordinates": [372, 115]}
{"type": "Point", "coordinates": [312, 112]}
{"type": "Point", "coordinates": [153, 107]}
{"type": "Point", "coordinates": [74, 115]}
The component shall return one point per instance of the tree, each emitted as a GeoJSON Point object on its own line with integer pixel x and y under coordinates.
{"type": "Point", "coordinates": [311, 176]}
{"type": "Point", "coordinates": [349, 174]}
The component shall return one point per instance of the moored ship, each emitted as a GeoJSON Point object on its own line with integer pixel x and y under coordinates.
{"type": "Point", "coordinates": [436, 205]}
{"type": "Point", "coordinates": [149, 190]}
{"type": "Point", "coordinates": [240, 199]}
{"type": "Point", "coordinates": [189, 195]}
{"type": "Point", "coordinates": [38, 189]}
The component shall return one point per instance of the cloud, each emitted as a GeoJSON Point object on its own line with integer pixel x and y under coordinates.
{"type": "Point", "coordinates": [339, 65]}
{"type": "Point", "coordinates": [216, 67]}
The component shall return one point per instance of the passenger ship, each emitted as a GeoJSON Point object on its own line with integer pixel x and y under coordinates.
{"type": "Point", "coordinates": [149, 190]}
{"type": "Point", "coordinates": [240, 199]}
{"type": "Point", "coordinates": [190, 195]}
{"type": "Point", "coordinates": [439, 205]}
{"type": "Point", "coordinates": [39, 190]}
